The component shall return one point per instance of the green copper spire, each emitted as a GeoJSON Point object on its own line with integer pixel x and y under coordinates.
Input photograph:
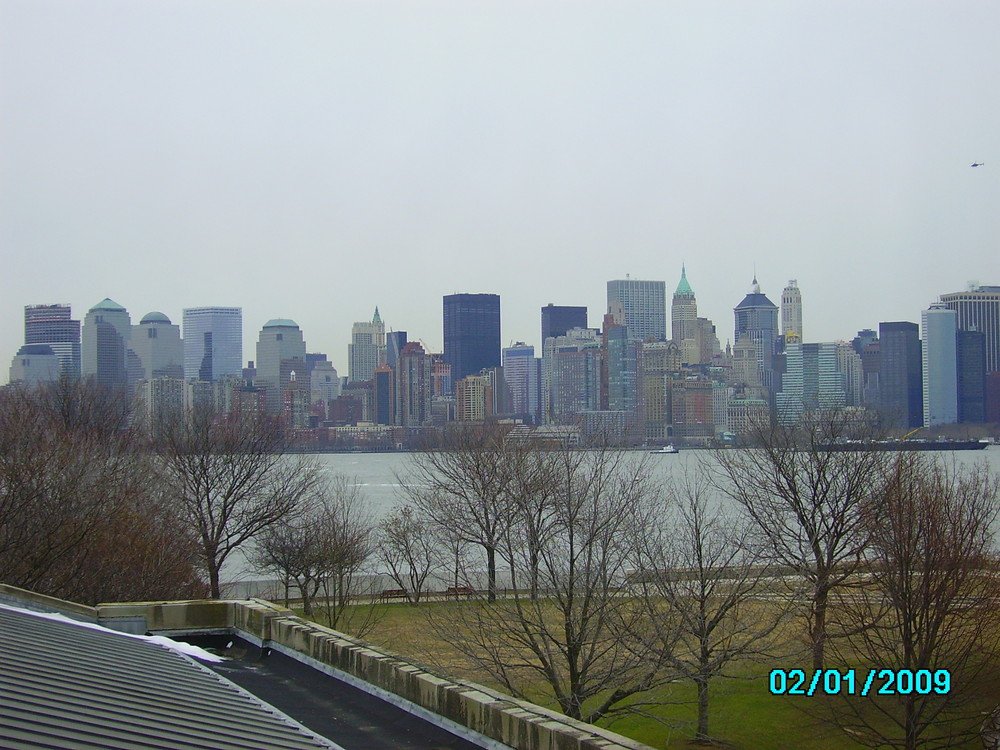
{"type": "Point", "coordinates": [684, 288]}
{"type": "Point", "coordinates": [378, 318]}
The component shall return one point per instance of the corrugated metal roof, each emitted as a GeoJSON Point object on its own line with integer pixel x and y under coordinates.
{"type": "Point", "coordinates": [68, 687]}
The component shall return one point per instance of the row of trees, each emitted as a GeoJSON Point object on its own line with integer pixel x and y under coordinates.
{"type": "Point", "coordinates": [602, 585]}
{"type": "Point", "coordinates": [592, 579]}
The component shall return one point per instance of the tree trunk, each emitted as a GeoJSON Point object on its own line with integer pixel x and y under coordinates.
{"type": "Point", "coordinates": [213, 578]}
{"type": "Point", "coordinates": [820, 601]}
{"type": "Point", "coordinates": [491, 574]}
{"type": "Point", "coordinates": [702, 733]}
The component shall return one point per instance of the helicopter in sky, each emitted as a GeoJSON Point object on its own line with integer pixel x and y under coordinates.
{"type": "Point", "coordinates": [977, 164]}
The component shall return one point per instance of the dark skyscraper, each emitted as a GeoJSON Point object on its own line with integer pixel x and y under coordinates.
{"type": "Point", "coordinates": [471, 333]}
{"type": "Point", "coordinates": [901, 396]}
{"type": "Point", "coordinates": [971, 346]}
{"type": "Point", "coordinates": [757, 318]}
{"type": "Point", "coordinates": [394, 343]}
{"type": "Point", "coordinates": [557, 319]}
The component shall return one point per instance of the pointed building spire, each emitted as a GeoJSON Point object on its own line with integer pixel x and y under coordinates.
{"type": "Point", "coordinates": [377, 318]}
{"type": "Point", "coordinates": [684, 287]}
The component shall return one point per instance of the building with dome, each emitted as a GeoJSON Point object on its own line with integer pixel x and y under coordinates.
{"type": "Point", "coordinates": [281, 361]}
{"type": "Point", "coordinates": [107, 332]}
{"type": "Point", "coordinates": [157, 345]}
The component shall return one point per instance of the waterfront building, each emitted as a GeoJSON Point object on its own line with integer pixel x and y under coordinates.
{"type": "Point", "coordinates": [213, 342]}
{"type": "Point", "coordinates": [53, 325]}
{"type": "Point", "coordinates": [812, 381]}
{"type": "Point", "coordinates": [573, 363]}
{"type": "Point", "coordinates": [157, 345]}
{"type": "Point", "coordinates": [35, 363]}
{"type": "Point", "coordinates": [791, 310]}
{"type": "Point", "coordinates": [160, 403]}
{"type": "Point", "coordinates": [757, 318]}
{"type": "Point", "coordinates": [643, 305]}
{"type": "Point", "coordinates": [558, 319]}
{"type": "Point", "coordinates": [471, 333]}
{"type": "Point", "coordinates": [691, 409]}
{"type": "Point", "coordinates": [366, 350]}
{"type": "Point", "coordinates": [107, 332]}
{"type": "Point", "coordinates": [939, 325]}
{"type": "Point", "coordinates": [620, 369]}
{"type": "Point", "coordinates": [522, 372]}
{"type": "Point", "coordinates": [281, 356]}
{"type": "Point", "coordinates": [971, 346]}
{"type": "Point", "coordinates": [659, 364]}
{"type": "Point", "coordinates": [900, 383]}
{"type": "Point", "coordinates": [978, 309]}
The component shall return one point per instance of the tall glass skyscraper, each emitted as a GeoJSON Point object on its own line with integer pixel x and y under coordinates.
{"type": "Point", "coordinates": [558, 319]}
{"type": "Point", "coordinates": [644, 306]}
{"type": "Point", "coordinates": [901, 400]}
{"type": "Point", "coordinates": [53, 325]}
{"type": "Point", "coordinates": [939, 326]}
{"type": "Point", "coordinates": [471, 333]}
{"type": "Point", "coordinates": [213, 342]}
{"type": "Point", "coordinates": [107, 332]}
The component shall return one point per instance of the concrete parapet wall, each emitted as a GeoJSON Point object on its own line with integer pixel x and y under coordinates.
{"type": "Point", "coordinates": [489, 713]}
{"type": "Point", "coordinates": [25, 599]}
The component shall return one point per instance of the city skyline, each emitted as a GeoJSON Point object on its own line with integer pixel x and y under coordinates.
{"type": "Point", "coordinates": [468, 149]}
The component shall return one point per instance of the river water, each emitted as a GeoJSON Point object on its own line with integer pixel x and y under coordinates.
{"type": "Point", "coordinates": [378, 477]}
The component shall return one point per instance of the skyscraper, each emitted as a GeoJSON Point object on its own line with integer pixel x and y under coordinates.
{"type": "Point", "coordinates": [791, 310]}
{"type": "Point", "coordinates": [281, 359]}
{"type": "Point", "coordinates": [523, 375]}
{"type": "Point", "coordinates": [812, 381]}
{"type": "Point", "coordinates": [558, 319]}
{"type": "Point", "coordinates": [643, 304]}
{"type": "Point", "coordinates": [683, 310]}
{"type": "Point", "coordinates": [413, 386]}
{"type": "Point", "coordinates": [107, 331]}
{"type": "Point", "coordinates": [471, 333]}
{"type": "Point", "coordinates": [900, 386]}
{"type": "Point", "coordinates": [940, 365]}
{"type": "Point", "coordinates": [157, 344]}
{"type": "Point", "coordinates": [971, 377]}
{"type": "Point", "coordinates": [366, 350]}
{"type": "Point", "coordinates": [213, 342]}
{"type": "Point", "coordinates": [52, 325]}
{"type": "Point", "coordinates": [757, 318]}
{"type": "Point", "coordinates": [394, 343]}
{"type": "Point", "coordinates": [979, 310]}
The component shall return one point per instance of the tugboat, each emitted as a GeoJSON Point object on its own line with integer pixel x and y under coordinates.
{"type": "Point", "coordinates": [666, 449]}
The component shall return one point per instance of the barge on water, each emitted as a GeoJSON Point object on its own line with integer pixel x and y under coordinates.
{"type": "Point", "coordinates": [905, 445]}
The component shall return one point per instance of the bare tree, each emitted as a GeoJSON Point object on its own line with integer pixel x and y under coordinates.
{"type": "Point", "coordinates": [702, 583]}
{"type": "Point", "coordinates": [82, 515]}
{"type": "Point", "coordinates": [232, 480]}
{"type": "Point", "coordinates": [930, 610]}
{"type": "Point", "coordinates": [466, 484]}
{"type": "Point", "coordinates": [411, 548]}
{"type": "Point", "coordinates": [807, 501]}
{"type": "Point", "coordinates": [572, 630]}
{"type": "Point", "coordinates": [321, 548]}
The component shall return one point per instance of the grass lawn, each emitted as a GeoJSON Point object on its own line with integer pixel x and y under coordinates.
{"type": "Point", "coordinates": [744, 715]}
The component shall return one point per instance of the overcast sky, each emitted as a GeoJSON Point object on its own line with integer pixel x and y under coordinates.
{"type": "Point", "coordinates": [311, 160]}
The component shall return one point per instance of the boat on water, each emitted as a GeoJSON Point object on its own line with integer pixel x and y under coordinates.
{"type": "Point", "coordinates": [666, 449]}
{"type": "Point", "coordinates": [905, 445]}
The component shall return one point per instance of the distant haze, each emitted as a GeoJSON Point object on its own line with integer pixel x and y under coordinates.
{"type": "Point", "coordinates": [313, 159]}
